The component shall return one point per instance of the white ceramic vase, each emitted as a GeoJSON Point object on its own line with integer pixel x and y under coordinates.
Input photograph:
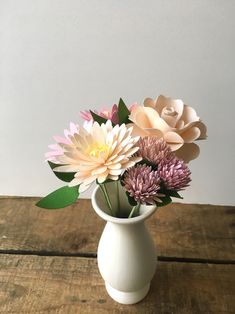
{"type": "Point", "coordinates": [126, 252]}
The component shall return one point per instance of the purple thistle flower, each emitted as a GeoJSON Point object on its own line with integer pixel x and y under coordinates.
{"type": "Point", "coordinates": [153, 149]}
{"type": "Point", "coordinates": [142, 183]}
{"type": "Point", "coordinates": [174, 172]}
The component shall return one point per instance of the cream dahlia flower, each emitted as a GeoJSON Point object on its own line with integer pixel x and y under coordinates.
{"type": "Point", "coordinates": [170, 119]}
{"type": "Point", "coordinates": [98, 153]}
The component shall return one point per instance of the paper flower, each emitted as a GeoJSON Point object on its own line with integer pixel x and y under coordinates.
{"type": "Point", "coordinates": [153, 149]}
{"type": "Point", "coordinates": [99, 153]}
{"type": "Point", "coordinates": [106, 113]}
{"type": "Point", "coordinates": [142, 183]}
{"type": "Point", "coordinates": [170, 119]}
{"type": "Point", "coordinates": [145, 147]}
{"type": "Point", "coordinates": [57, 150]}
{"type": "Point", "coordinates": [86, 115]}
{"type": "Point", "coordinates": [174, 173]}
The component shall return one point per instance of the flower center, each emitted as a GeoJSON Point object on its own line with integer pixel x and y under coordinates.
{"type": "Point", "coordinates": [97, 149]}
{"type": "Point", "coordinates": [169, 111]}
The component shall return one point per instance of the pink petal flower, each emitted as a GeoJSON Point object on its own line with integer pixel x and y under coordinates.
{"type": "Point", "coordinates": [86, 115]}
{"type": "Point", "coordinates": [57, 150]}
{"type": "Point", "coordinates": [106, 113]}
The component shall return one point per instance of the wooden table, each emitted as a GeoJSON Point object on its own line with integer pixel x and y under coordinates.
{"type": "Point", "coordinates": [48, 260]}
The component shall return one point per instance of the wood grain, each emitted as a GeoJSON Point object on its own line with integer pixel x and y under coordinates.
{"type": "Point", "coordinates": [179, 230]}
{"type": "Point", "coordinates": [38, 284]}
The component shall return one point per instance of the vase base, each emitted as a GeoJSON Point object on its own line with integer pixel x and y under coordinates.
{"type": "Point", "coordinates": [127, 297]}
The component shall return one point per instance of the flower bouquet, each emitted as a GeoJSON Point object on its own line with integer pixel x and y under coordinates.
{"type": "Point", "coordinates": [137, 156]}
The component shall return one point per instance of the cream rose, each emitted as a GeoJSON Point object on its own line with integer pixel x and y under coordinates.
{"type": "Point", "coordinates": [172, 120]}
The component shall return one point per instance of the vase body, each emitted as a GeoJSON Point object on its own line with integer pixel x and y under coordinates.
{"type": "Point", "coordinates": [126, 252]}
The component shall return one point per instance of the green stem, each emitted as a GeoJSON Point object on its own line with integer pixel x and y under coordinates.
{"type": "Point", "coordinates": [104, 190]}
{"type": "Point", "coordinates": [118, 199]}
{"type": "Point", "coordinates": [137, 207]}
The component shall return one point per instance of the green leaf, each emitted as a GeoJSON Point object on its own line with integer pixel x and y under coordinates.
{"type": "Point", "coordinates": [165, 201]}
{"type": "Point", "coordinates": [123, 112]}
{"type": "Point", "coordinates": [148, 163]}
{"type": "Point", "coordinates": [64, 176]}
{"type": "Point", "coordinates": [131, 200]}
{"type": "Point", "coordinates": [60, 198]}
{"type": "Point", "coordinates": [174, 194]}
{"type": "Point", "coordinates": [98, 118]}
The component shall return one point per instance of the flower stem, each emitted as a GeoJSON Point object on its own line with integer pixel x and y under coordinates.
{"type": "Point", "coordinates": [118, 199]}
{"type": "Point", "coordinates": [104, 190]}
{"type": "Point", "coordinates": [135, 208]}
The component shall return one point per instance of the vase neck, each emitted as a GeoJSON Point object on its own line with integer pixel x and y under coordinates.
{"type": "Point", "coordinates": [101, 208]}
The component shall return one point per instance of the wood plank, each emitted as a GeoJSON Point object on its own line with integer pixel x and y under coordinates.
{"type": "Point", "coordinates": [37, 284]}
{"type": "Point", "coordinates": [179, 230]}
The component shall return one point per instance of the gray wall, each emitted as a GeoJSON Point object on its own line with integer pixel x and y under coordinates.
{"type": "Point", "coordinates": [60, 57]}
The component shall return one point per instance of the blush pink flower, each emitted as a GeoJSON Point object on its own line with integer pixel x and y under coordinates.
{"type": "Point", "coordinates": [142, 183]}
{"type": "Point", "coordinates": [174, 173]}
{"type": "Point", "coordinates": [113, 115]}
{"type": "Point", "coordinates": [153, 149]}
{"type": "Point", "coordinates": [106, 113]}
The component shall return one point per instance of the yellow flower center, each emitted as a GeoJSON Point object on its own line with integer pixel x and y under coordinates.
{"type": "Point", "coordinates": [95, 150]}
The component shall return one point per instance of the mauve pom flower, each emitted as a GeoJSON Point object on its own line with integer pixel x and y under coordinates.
{"type": "Point", "coordinates": [174, 172]}
{"type": "Point", "coordinates": [142, 183]}
{"type": "Point", "coordinates": [153, 149]}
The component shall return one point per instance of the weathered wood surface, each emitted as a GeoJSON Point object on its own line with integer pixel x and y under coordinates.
{"type": "Point", "coordinates": [179, 230]}
{"type": "Point", "coordinates": [38, 284]}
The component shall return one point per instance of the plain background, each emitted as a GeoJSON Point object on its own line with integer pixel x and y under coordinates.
{"type": "Point", "coordinates": [60, 57]}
